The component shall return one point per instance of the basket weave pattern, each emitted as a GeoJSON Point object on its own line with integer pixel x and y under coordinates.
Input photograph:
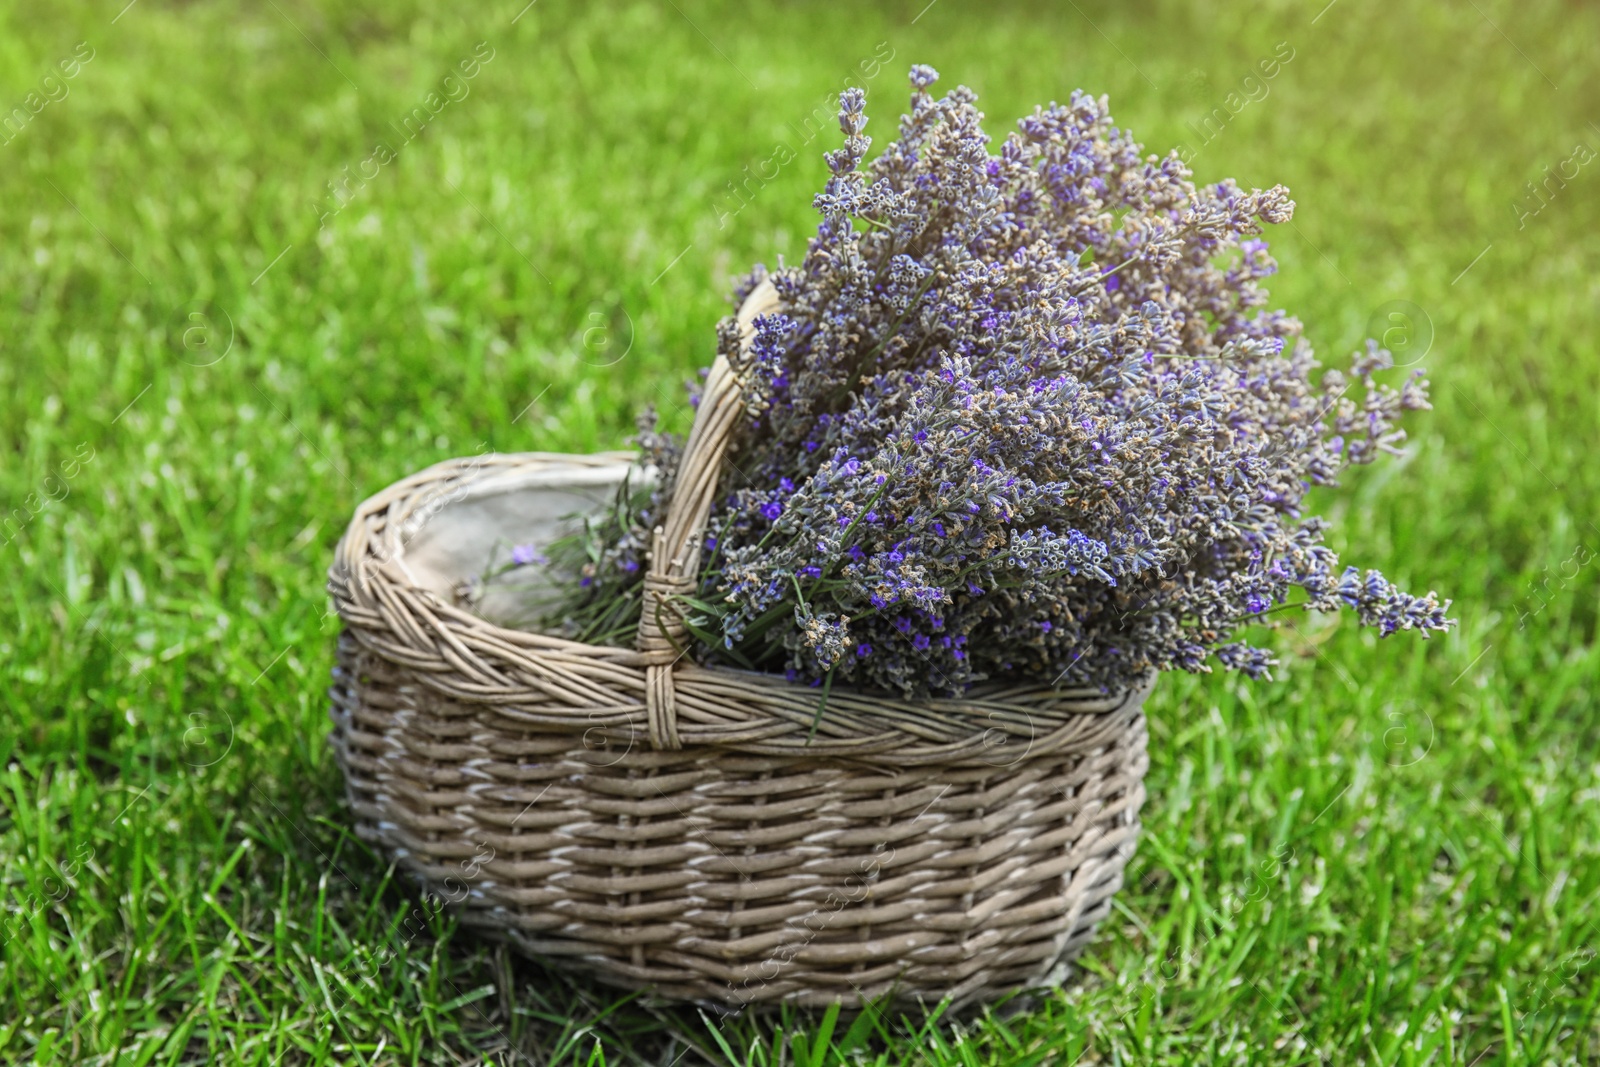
{"type": "Point", "coordinates": [698, 831]}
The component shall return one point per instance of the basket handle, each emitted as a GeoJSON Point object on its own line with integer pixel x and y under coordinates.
{"type": "Point", "coordinates": [675, 544]}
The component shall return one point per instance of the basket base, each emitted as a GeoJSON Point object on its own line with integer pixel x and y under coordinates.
{"type": "Point", "coordinates": [731, 880]}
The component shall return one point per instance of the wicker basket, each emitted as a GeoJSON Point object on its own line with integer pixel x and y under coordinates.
{"type": "Point", "coordinates": [665, 826]}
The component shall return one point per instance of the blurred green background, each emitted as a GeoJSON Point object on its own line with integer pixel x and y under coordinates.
{"type": "Point", "coordinates": [226, 316]}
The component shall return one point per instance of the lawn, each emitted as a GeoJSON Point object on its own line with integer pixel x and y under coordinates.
{"type": "Point", "coordinates": [245, 286]}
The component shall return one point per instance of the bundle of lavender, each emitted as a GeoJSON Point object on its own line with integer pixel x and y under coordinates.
{"type": "Point", "coordinates": [1022, 418]}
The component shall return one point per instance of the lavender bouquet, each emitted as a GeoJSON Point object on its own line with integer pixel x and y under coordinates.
{"type": "Point", "coordinates": [1022, 418]}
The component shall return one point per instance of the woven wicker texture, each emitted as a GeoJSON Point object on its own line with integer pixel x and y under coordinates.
{"type": "Point", "coordinates": [700, 832]}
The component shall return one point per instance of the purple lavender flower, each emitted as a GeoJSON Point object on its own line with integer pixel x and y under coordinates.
{"type": "Point", "coordinates": [1025, 396]}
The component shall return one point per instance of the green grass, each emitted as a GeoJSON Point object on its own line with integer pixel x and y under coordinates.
{"type": "Point", "coordinates": [1390, 854]}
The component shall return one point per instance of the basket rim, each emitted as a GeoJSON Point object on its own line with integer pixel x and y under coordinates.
{"type": "Point", "coordinates": [556, 684]}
